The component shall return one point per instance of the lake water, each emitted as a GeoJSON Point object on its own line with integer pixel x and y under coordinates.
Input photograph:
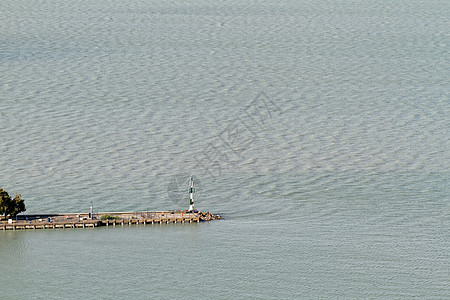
{"type": "Point", "coordinates": [319, 130]}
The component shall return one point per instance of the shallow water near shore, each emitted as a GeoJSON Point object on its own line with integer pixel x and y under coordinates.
{"type": "Point", "coordinates": [318, 130]}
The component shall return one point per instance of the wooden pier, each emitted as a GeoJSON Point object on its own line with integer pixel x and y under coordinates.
{"type": "Point", "coordinates": [48, 225]}
{"type": "Point", "coordinates": [61, 221]}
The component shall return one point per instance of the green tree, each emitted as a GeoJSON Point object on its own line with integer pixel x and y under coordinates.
{"type": "Point", "coordinates": [5, 202]}
{"type": "Point", "coordinates": [10, 206]}
{"type": "Point", "coordinates": [19, 205]}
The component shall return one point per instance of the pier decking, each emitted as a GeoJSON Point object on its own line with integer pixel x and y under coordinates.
{"type": "Point", "coordinates": [55, 221]}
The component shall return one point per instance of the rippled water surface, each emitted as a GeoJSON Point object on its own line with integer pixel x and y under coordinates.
{"type": "Point", "coordinates": [318, 129]}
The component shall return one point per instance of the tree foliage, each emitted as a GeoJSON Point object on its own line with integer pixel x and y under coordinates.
{"type": "Point", "coordinates": [10, 206]}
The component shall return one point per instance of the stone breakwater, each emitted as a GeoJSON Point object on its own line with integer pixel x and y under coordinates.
{"type": "Point", "coordinates": [83, 220]}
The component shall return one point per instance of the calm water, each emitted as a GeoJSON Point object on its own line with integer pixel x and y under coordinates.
{"type": "Point", "coordinates": [318, 129]}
